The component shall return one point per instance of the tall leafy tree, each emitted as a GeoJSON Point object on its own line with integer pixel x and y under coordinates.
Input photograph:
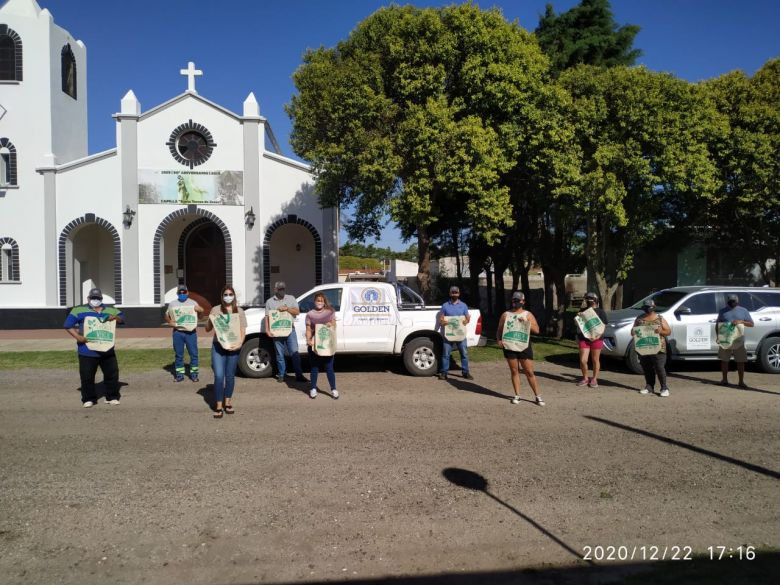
{"type": "Point", "coordinates": [586, 35]}
{"type": "Point", "coordinates": [747, 214]}
{"type": "Point", "coordinates": [416, 116]}
{"type": "Point", "coordinates": [645, 162]}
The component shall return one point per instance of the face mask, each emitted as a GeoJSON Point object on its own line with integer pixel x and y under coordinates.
{"type": "Point", "coordinates": [454, 298]}
{"type": "Point", "coordinates": [228, 299]}
{"type": "Point", "coordinates": [517, 303]}
{"type": "Point", "coordinates": [319, 305]}
{"type": "Point", "coordinates": [280, 294]}
{"type": "Point", "coordinates": [732, 304]}
{"type": "Point", "coordinates": [95, 303]}
{"type": "Point", "coordinates": [182, 297]}
{"type": "Point", "coordinates": [647, 310]}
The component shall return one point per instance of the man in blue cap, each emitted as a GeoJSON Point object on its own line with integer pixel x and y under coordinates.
{"type": "Point", "coordinates": [90, 360]}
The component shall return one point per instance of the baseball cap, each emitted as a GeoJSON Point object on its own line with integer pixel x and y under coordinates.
{"type": "Point", "coordinates": [95, 294]}
{"type": "Point", "coordinates": [649, 303]}
{"type": "Point", "coordinates": [280, 285]}
{"type": "Point", "coordinates": [732, 297]}
{"type": "Point", "coordinates": [518, 295]}
{"type": "Point", "coordinates": [454, 289]}
{"type": "Point", "coordinates": [591, 295]}
{"type": "Point", "coordinates": [181, 288]}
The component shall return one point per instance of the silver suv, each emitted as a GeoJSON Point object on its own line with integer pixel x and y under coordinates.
{"type": "Point", "coordinates": [691, 312]}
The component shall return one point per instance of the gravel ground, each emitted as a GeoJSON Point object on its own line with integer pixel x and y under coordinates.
{"type": "Point", "coordinates": [291, 489]}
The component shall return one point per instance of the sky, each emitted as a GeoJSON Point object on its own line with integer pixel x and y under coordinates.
{"type": "Point", "coordinates": [255, 46]}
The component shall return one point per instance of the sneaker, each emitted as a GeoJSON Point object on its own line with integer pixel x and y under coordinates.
{"type": "Point", "coordinates": [515, 400]}
{"type": "Point", "coordinates": [88, 404]}
{"type": "Point", "coordinates": [194, 378]}
{"type": "Point", "coordinates": [114, 402]}
{"type": "Point", "coordinates": [468, 376]}
{"type": "Point", "coordinates": [593, 383]}
{"type": "Point", "coordinates": [280, 379]}
{"type": "Point", "coordinates": [664, 392]}
{"type": "Point", "coordinates": [539, 401]}
{"type": "Point", "coordinates": [645, 390]}
{"type": "Point", "coordinates": [335, 393]}
{"type": "Point", "coordinates": [178, 377]}
{"type": "Point", "coordinates": [313, 393]}
{"type": "Point", "coordinates": [441, 376]}
{"type": "Point", "coordinates": [583, 382]}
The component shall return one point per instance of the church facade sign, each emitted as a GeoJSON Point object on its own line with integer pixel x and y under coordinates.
{"type": "Point", "coordinates": [184, 187]}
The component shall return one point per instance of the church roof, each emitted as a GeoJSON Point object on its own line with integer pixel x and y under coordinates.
{"type": "Point", "coordinates": [196, 96]}
{"type": "Point", "coordinates": [21, 7]}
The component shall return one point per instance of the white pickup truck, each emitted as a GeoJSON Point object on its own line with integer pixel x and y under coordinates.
{"type": "Point", "coordinates": [371, 318]}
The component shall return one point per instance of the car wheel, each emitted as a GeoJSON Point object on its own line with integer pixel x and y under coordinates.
{"type": "Point", "coordinates": [420, 357]}
{"type": "Point", "coordinates": [632, 360]}
{"type": "Point", "coordinates": [256, 359]}
{"type": "Point", "coordinates": [770, 355]}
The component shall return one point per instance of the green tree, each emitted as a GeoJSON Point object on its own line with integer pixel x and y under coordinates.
{"type": "Point", "coordinates": [586, 34]}
{"type": "Point", "coordinates": [746, 216]}
{"type": "Point", "coordinates": [645, 162]}
{"type": "Point", "coordinates": [414, 115]}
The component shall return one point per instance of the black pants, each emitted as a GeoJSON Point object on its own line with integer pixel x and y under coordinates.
{"type": "Point", "coordinates": [88, 368]}
{"type": "Point", "coordinates": [653, 365]}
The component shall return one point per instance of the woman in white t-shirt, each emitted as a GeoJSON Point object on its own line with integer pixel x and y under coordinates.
{"type": "Point", "coordinates": [224, 360]}
{"type": "Point", "coordinates": [520, 360]}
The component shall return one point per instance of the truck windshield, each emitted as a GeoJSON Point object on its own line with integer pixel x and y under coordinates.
{"type": "Point", "coordinates": [663, 300]}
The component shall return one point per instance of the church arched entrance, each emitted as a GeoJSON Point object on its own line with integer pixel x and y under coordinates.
{"type": "Point", "coordinates": [293, 258]}
{"type": "Point", "coordinates": [90, 258]}
{"type": "Point", "coordinates": [204, 261]}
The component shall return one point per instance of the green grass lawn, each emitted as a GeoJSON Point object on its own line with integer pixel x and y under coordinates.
{"type": "Point", "coordinates": [147, 360]}
{"type": "Point", "coordinates": [130, 360]}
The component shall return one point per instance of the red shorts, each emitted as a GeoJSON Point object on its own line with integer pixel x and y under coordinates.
{"type": "Point", "coordinates": [588, 344]}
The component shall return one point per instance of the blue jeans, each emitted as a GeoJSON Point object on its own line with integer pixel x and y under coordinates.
{"type": "Point", "coordinates": [188, 339]}
{"type": "Point", "coordinates": [447, 350]}
{"type": "Point", "coordinates": [320, 362]}
{"type": "Point", "coordinates": [291, 344]}
{"type": "Point", "coordinates": [224, 364]}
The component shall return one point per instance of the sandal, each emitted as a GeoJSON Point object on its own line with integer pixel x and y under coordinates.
{"type": "Point", "coordinates": [229, 409]}
{"type": "Point", "coordinates": [218, 413]}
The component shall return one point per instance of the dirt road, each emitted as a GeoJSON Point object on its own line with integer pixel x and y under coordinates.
{"type": "Point", "coordinates": [291, 489]}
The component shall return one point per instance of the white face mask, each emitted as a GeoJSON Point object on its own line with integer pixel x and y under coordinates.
{"type": "Point", "coordinates": [95, 303]}
{"type": "Point", "coordinates": [228, 299]}
{"type": "Point", "coordinates": [319, 305]}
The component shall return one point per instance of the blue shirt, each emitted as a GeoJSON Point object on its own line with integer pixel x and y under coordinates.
{"type": "Point", "coordinates": [727, 314]}
{"type": "Point", "coordinates": [450, 309]}
{"type": "Point", "coordinates": [76, 319]}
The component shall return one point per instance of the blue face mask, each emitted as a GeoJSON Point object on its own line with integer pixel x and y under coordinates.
{"type": "Point", "coordinates": [183, 297]}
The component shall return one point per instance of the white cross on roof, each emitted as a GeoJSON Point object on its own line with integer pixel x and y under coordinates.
{"type": "Point", "coordinates": [191, 73]}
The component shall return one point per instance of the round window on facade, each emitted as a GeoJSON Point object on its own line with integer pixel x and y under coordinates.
{"type": "Point", "coordinates": [191, 144]}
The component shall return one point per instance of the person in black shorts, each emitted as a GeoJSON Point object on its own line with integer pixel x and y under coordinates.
{"type": "Point", "coordinates": [520, 360]}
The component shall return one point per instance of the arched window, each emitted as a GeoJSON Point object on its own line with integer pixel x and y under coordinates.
{"type": "Point", "coordinates": [68, 71]}
{"type": "Point", "coordinates": [7, 163]}
{"type": "Point", "coordinates": [10, 54]}
{"type": "Point", "coordinates": [9, 260]}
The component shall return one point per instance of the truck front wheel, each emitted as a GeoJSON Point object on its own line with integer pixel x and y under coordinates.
{"type": "Point", "coordinates": [256, 358]}
{"type": "Point", "coordinates": [420, 357]}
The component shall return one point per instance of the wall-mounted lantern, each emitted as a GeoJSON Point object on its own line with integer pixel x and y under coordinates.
{"type": "Point", "coordinates": [127, 216]}
{"type": "Point", "coordinates": [249, 218]}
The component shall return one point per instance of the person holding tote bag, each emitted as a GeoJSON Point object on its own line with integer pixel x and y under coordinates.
{"type": "Point", "coordinates": [229, 324]}
{"type": "Point", "coordinates": [323, 315]}
{"type": "Point", "coordinates": [653, 364]}
{"type": "Point", "coordinates": [514, 337]}
{"type": "Point", "coordinates": [590, 338]}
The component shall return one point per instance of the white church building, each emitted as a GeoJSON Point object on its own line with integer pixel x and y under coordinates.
{"type": "Point", "coordinates": [192, 192]}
